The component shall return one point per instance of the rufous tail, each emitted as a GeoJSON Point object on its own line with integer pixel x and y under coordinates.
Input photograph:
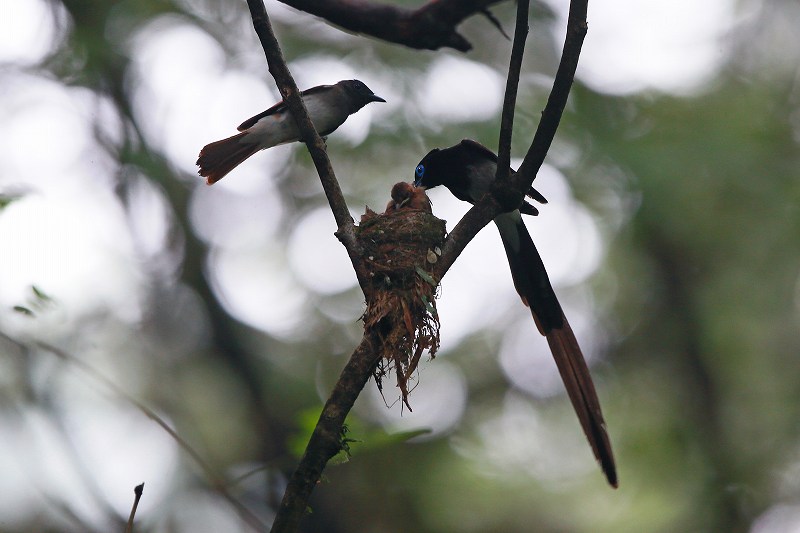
{"type": "Point", "coordinates": [533, 285]}
{"type": "Point", "coordinates": [580, 389]}
{"type": "Point", "coordinates": [218, 158]}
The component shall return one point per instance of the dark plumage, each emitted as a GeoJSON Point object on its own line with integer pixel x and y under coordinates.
{"type": "Point", "coordinates": [468, 170]}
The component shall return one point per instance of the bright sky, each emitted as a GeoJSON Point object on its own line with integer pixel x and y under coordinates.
{"type": "Point", "coordinates": [70, 237]}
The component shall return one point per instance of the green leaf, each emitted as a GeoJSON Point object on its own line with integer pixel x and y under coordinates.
{"type": "Point", "coordinates": [424, 275]}
{"type": "Point", "coordinates": [8, 199]}
{"type": "Point", "coordinates": [23, 310]}
{"type": "Point", "coordinates": [40, 294]}
{"type": "Point", "coordinates": [429, 306]}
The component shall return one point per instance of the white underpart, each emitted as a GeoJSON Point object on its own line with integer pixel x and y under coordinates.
{"type": "Point", "coordinates": [280, 128]}
{"type": "Point", "coordinates": [507, 223]}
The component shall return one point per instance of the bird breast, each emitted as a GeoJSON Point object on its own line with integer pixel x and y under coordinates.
{"type": "Point", "coordinates": [280, 128]}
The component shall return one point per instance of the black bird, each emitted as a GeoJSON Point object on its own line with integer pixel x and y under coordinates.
{"type": "Point", "coordinates": [327, 105]}
{"type": "Point", "coordinates": [468, 170]}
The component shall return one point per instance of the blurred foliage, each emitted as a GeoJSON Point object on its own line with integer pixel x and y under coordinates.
{"type": "Point", "coordinates": [696, 197]}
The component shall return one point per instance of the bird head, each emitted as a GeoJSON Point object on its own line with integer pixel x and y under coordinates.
{"type": "Point", "coordinates": [428, 174]}
{"type": "Point", "coordinates": [359, 94]}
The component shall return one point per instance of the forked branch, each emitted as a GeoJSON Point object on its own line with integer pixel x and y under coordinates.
{"type": "Point", "coordinates": [365, 17]}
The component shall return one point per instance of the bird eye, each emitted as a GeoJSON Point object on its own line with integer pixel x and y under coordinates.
{"type": "Point", "coordinates": [420, 171]}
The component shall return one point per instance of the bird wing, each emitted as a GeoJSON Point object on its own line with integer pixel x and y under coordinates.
{"type": "Point", "coordinates": [478, 150]}
{"type": "Point", "coordinates": [473, 150]}
{"type": "Point", "coordinates": [280, 107]}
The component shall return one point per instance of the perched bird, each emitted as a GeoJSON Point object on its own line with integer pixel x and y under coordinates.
{"type": "Point", "coordinates": [327, 105]}
{"type": "Point", "coordinates": [468, 170]}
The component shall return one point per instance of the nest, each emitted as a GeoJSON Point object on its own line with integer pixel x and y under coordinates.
{"type": "Point", "coordinates": [401, 248]}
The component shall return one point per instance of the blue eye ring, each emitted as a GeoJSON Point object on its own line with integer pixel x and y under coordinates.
{"type": "Point", "coordinates": [419, 171]}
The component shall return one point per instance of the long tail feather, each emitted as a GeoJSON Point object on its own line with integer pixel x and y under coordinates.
{"type": "Point", "coordinates": [533, 285]}
{"type": "Point", "coordinates": [218, 158]}
{"type": "Point", "coordinates": [580, 389]}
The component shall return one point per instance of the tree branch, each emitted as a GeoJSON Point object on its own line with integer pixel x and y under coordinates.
{"type": "Point", "coordinates": [470, 224]}
{"type": "Point", "coordinates": [137, 495]}
{"type": "Point", "coordinates": [314, 143]}
{"type": "Point", "coordinates": [429, 27]}
{"type": "Point", "coordinates": [512, 84]}
{"type": "Point", "coordinates": [326, 440]}
{"type": "Point", "coordinates": [551, 116]}
{"type": "Point", "coordinates": [491, 205]}
{"type": "Point", "coordinates": [398, 25]}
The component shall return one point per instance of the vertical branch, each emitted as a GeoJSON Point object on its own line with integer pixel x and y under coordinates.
{"type": "Point", "coordinates": [485, 210]}
{"type": "Point", "coordinates": [512, 84]}
{"type": "Point", "coordinates": [551, 116]}
{"type": "Point", "coordinates": [291, 95]}
{"type": "Point", "coordinates": [326, 440]}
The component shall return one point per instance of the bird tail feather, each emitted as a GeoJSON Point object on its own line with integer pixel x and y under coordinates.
{"type": "Point", "coordinates": [580, 389]}
{"type": "Point", "coordinates": [218, 158]}
{"type": "Point", "coordinates": [533, 285]}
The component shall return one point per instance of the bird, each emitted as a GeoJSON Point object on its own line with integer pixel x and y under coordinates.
{"type": "Point", "coordinates": [407, 196]}
{"type": "Point", "coordinates": [468, 170]}
{"type": "Point", "coordinates": [327, 105]}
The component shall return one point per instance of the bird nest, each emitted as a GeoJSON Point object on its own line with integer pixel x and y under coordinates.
{"type": "Point", "coordinates": [401, 248]}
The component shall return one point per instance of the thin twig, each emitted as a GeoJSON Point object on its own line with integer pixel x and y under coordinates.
{"type": "Point", "coordinates": [216, 482]}
{"type": "Point", "coordinates": [137, 492]}
{"type": "Point", "coordinates": [512, 84]}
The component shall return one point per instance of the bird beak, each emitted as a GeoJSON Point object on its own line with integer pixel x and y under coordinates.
{"type": "Point", "coordinates": [376, 98]}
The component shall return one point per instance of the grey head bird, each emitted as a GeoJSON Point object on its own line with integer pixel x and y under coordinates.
{"type": "Point", "coordinates": [328, 107]}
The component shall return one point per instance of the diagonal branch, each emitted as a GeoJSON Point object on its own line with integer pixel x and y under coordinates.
{"type": "Point", "coordinates": [470, 224]}
{"type": "Point", "coordinates": [315, 144]}
{"type": "Point", "coordinates": [429, 27]}
{"type": "Point", "coordinates": [326, 440]}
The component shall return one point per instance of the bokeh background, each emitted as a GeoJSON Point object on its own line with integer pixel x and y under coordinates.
{"type": "Point", "coordinates": [672, 237]}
